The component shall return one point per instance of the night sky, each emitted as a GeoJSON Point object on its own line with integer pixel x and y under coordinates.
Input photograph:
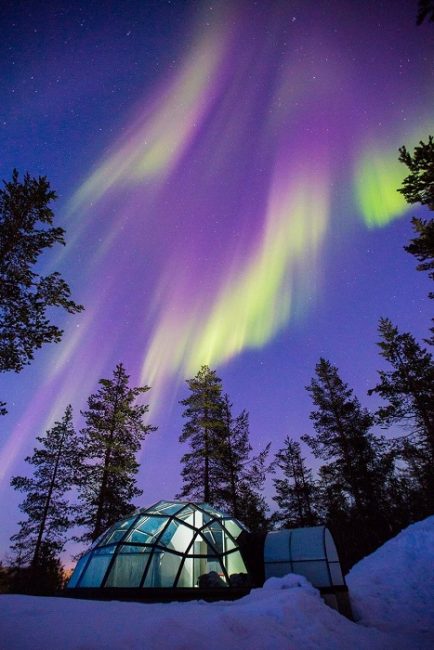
{"type": "Point", "coordinates": [227, 178]}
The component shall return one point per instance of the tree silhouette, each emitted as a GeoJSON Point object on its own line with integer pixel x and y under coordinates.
{"type": "Point", "coordinates": [109, 442]}
{"type": "Point", "coordinates": [353, 477]}
{"type": "Point", "coordinates": [41, 537]}
{"type": "Point", "coordinates": [26, 296]}
{"type": "Point", "coordinates": [296, 492]}
{"type": "Point", "coordinates": [204, 431]}
{"type": "Point", "coordinates": [408, 389]}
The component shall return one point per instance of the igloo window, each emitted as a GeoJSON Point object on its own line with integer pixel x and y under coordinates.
{"type": "Point", "coordinates": [171, 544]}
{"type": "Point", "coordinates": [310, 552]}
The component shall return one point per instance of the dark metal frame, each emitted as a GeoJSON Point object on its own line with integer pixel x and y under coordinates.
{"type": "Point", "coordinates": [157, 511]}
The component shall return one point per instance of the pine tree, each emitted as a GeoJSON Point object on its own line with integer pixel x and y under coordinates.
{"type": "Point", "coordinates": [26, 297]}
{"type": "Point", "coordinates": [109, 444]}
{"type": "Point", "coordinates": [408, 389]}
{"type": "Point", "coordinates": [236, 461]}
{"type": "Point", "coordinates": [414, 488]}
{"type": "Point", "coordinates": [422, 246]}
{"type": "Point", "coordinates": [418, 187]}
{"type": "Point", "coordinates": [296, 492]}
{"type": "Point", "coordinates": [242, 474]}
{"type": "Point", "coordinates": [352, 478]}
{"type": "Point", "coordinates": [234, 450]}
{"type": "Point", "coordinates": [203, 430]}
{"type": "Point", "coordinates": [252, 505]}
{"type": "Point", "coordinates": [41, 537]}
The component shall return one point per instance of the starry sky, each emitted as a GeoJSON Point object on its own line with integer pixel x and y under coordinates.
{"type": "Point", "coordinates": [227, 177]}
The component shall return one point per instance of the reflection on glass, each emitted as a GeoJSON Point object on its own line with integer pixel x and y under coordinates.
{"type": "Point", "coordinates": [214, 535]}
{"type": "Point", "coordinates": [194, 546]}
{"type": "Point", "coordinates": [77, 571]}
{"type": "Point", "coordinates": [146, 529]}
{"type": "Point", "coordinates": [97, 567]}
{"type": "Point", "coordinates": [162, 570]}
{"type": "Point", "coordinates": [128, 567]}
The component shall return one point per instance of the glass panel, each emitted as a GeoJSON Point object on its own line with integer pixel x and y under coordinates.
{"type": "Point", "coordinates": [102, 538]}
{"type": "Point", "coordinates": [177, 537]}
{"type": "Point", "coordinates": [336, 573]}
{"type": "Point", "coordinates": [229, 544]}
{"type": "Point", "coordinates": [159, 504]}
{"type": "Point", "coordinates": [97, 567]}
{"type": "Point", "coordinates": [77, 571]}
{"type": "Point", "coordinates": [128, 567]}
{"type": "Point", "coordinates": [307, 544]}
{"type": "Point", "coordinates": [331, 552]}
{"type": "Point", "coordinates": [203, 572]}
{"type": "Point", "coordinates": [186, 514]}
{"type": "Point", "coordinates": [235, 567]}
{"type": "Point", "coordinates": [186, 578]}
{"type": "Point", "coordinates": [99, 539]}
{"type": "Point", "coordinates": [316, 572]}
{"type": "Point", "coordinates": [213, 534]}
{"type": "Point", "coordinates": [117, 532]}
{"type": "Point", "coordinates": [202, 547]}
{"type": "Point", "coordinates": [169, 532]}
{"type": "Point", "coordinates": [211, 511]}
{"type": "Point", "coordinates": [196, 567]}
{"type": "Point", "coordinates": [205, 518]}
{"type": "Point", "coordinates": [277, 546]}
{"type": "Point", "coordinates": [168, 508]}
{"type": "Point", "coordinates": [208, 573]}
{"type": "Point", "coordinates": [162, 570]}
{"type": "Point", "coordinates": [169, 566]}
{"type": "Point", "coordinates": [277, 569]}
{"type": "Point", "coordinates": [146, 529]}
{"type": "Point", "coordinates": [233, 527]}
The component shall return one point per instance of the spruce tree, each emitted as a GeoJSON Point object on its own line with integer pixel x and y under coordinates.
{"type": "Point", "coordinates": [352, 477]}
{"type": "Point", "coordinates": [26, 297]}
{"type": "Point", "coordinates": [296, 491]}
{"type": "Point", "coordinates": [41, 537]}
{"type": "Point", "coordinates": [422, 246]}
{"type": "Point", "coordinates": [109, 443]}
{"type": "Point", "coordinates": [252, 505]}
{"type": "Point", "coordinates": [408, 390]}
{"type": "Point", "coordinates": [418, 187]}
{"type": "Point", "coordinates": [203, 430]}
{"type": "Point", "coordinates": [234, 450]}
{"type": "Point", "coordinates": [242, 474]}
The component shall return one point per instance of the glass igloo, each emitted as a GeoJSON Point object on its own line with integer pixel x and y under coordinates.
{"type": "Point", "coordinates": [169, 545]}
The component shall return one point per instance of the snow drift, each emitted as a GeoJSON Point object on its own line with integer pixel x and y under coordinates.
{"type": "Point", "coordinates": [393, 589]}
{"type": "Point", "coordinates": [392, 593]}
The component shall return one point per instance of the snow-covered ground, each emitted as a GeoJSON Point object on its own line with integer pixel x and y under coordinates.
{"type": "Point", "coordinates": [392, 593]}
{"type": "Point", "coordinates": [393, 589]}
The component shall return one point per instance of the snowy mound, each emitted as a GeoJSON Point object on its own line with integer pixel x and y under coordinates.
{"type": "Point", "coordinates": [287, 614]}
{"type": "Point", "coordinates": [393, 589]}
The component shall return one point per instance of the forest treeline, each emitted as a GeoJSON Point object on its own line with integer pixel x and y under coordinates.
{"type": "Point", "coordinates": [367, 485]}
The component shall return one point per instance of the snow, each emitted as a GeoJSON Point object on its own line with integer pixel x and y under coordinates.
{"type": "Point", "coordinates": [392, 591]}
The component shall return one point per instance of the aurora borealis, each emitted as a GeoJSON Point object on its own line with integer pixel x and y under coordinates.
{"type": "Point", "coordinates": [227, 176]}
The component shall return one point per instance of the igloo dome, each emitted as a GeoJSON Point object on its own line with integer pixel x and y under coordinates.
{"type": "Point", "coordinates": [169, 545]}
